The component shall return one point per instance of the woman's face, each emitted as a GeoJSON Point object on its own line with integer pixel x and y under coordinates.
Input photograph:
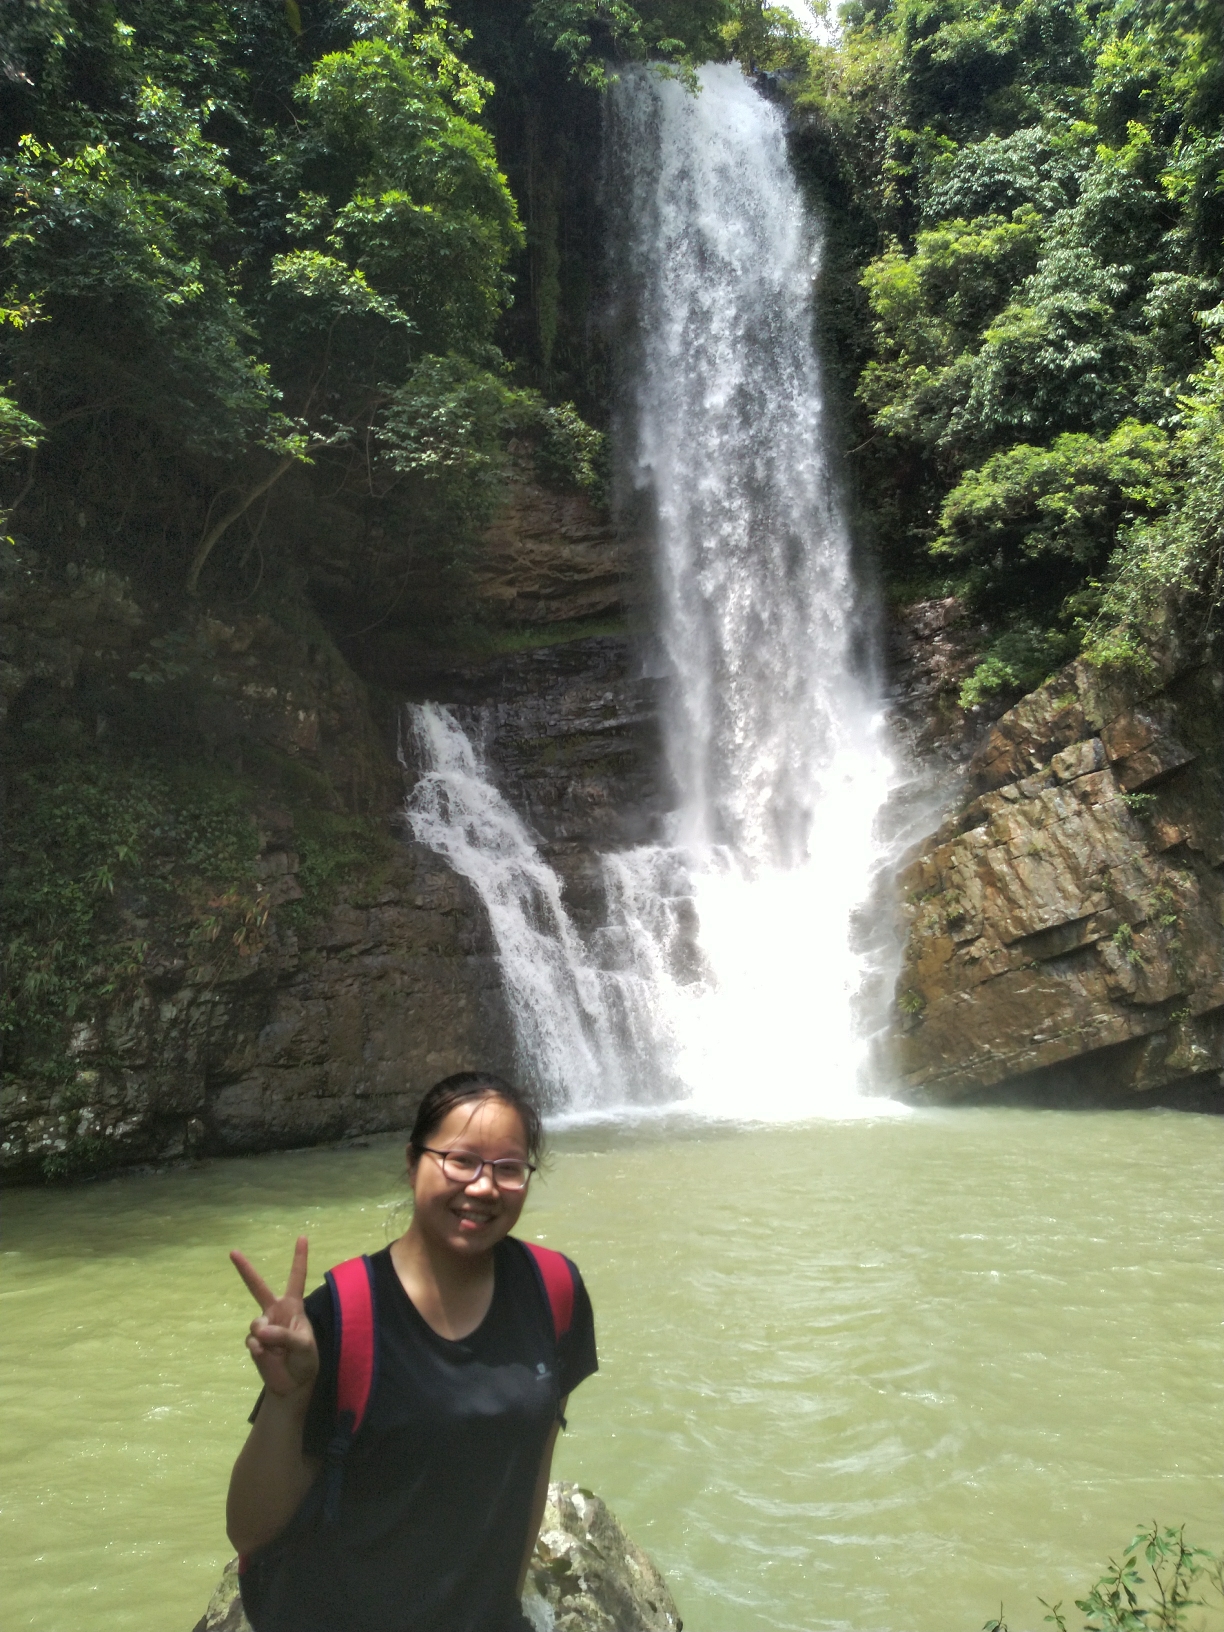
{"type": "Point", "coordinates": [469, 1218]}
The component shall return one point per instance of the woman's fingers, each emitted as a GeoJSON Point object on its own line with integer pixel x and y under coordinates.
{"type": "Point", "coordinates": [254, 1281]}
{"type": "Point", "coordinates": [295, 1286]}
{"type": "Point", "coordinates": [273, 1335]}
{"type": "Point", "coordinates": [281, 1341]}
{"type": "Point", "coordinates": [259, 1288]}
{"type": "Point", "coordinates": [285, 1355]}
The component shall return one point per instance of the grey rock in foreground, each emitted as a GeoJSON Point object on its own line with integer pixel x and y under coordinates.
{"type": "Point", "coordinates": [586, 1576]}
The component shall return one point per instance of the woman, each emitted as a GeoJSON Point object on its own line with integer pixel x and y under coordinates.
{"type": "Point", "coordinates": [442, 1492]}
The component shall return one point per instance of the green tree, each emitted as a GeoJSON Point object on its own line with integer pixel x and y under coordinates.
{"type": "Point", "coordinates": [1043, 291]}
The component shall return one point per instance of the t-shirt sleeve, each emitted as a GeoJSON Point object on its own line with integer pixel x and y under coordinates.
{"type": "Point", "coordinates": [321, 1412]}
{"type": "Point", "coordinates": [576, 1356]}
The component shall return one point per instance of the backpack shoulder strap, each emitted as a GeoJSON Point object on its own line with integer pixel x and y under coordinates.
{"type": "Point", "coordinates": [556, 1275]}
{"type": "Point", "coordinates": [352, 1290]}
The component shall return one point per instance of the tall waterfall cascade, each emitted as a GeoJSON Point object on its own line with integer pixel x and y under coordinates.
{"type": "Point", "coordinates": [727, 974]}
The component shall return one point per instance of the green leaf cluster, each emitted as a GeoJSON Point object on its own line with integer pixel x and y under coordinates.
{"type": "Point", "coordinates": [1179, 1579]}
{"type": "Point", "coordinates": [593, 35]}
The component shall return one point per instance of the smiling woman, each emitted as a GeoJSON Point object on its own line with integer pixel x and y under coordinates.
{"type": "Point", "coordinates": [427, 1524]}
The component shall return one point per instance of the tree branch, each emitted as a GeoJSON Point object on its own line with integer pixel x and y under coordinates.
{"type": "Point", "coordinates": [204, 548]}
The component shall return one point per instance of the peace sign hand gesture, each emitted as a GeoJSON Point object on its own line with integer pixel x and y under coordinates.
{"type": "Point", "coordinates": [281, 1340]}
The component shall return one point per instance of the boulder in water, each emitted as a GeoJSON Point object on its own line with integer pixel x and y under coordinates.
{"type": "Point", "coordinates": [586, 1575]}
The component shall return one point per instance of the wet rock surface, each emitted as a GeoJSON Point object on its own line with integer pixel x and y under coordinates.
{"type": "Point", "coordinates": [1066, 923]}
{"type": "Point", "coordinates": [552, 557]}
{"type": "Point", "coordinates": [932, 648]}
{"type": "Point", "coordinates": [586, 1575]}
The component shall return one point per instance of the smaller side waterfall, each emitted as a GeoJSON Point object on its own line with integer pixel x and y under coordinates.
{"type": "Point", "coordinates": [587, 1035]}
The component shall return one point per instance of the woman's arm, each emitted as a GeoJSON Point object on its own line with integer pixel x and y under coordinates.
{"type": "Point", "coordinates": [273, 1473]}
{"type": "Point", "coordinates": [540, 1497]}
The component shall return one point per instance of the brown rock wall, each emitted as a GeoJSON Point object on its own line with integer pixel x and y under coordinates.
{"type": "Point", "coordinates": [551, 557]}
{"type": "Point", "coordinates": [323, 1035]}
{"type": "Point", "coordinates": [310, 1030]}
{"type": "Point", "coordinates": [1066, 923]}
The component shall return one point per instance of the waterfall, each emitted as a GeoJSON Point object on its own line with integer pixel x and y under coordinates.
{"type": "Point", "coordinates": [774, 735]}
{"type": "Point", "coordinates": [729, 968]}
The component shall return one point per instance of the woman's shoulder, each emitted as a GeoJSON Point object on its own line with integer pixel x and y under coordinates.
{"type": "Point", "coordinates": [321, 1303]}
{"type": "Point", "coordinates": [533, 1255]}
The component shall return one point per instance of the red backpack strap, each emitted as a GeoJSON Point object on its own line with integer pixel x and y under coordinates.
{"type": "Point", "coordinates": [352, 1289]}
{"type": "Point", "coordinates": [557, 1278]}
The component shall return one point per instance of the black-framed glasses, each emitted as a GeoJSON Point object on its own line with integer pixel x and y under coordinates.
{"type": "Point", "coordinates": [461, 1167]}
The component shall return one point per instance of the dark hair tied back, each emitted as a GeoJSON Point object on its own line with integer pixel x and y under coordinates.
{"type": "Point", "coordinates": [467, 1085]}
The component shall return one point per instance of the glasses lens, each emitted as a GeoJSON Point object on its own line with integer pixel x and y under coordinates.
{"type": "Point", "coordinates": [461, 1167]}
{"type": "Point", "coordinates": [511, 1175]}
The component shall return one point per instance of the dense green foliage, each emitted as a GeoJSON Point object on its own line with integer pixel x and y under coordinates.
{"type": "Point", "coordinates": [241, 239]}
{"type": "Point", "coordinates": [1036, 202]}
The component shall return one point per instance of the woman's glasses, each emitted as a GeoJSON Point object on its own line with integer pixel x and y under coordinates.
{"type": "Point", "coordinates": [461, 1167]}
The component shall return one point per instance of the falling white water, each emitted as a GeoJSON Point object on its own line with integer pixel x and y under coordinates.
{"type": "Point", "coordinates": [727, 973]}
{"type": "Point", "coordinates": [774, 737]}
{"type": "Point", "coordinates": [554, 995]}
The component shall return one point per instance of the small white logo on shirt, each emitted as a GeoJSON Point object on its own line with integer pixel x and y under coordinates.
{"type": "Point", "coordinates": [541, 1369]}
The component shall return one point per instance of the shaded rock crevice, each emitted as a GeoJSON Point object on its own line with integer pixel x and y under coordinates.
{"type": "Point", "coordinates": [551, 557]}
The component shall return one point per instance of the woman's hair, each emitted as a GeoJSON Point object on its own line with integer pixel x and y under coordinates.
{"type": "Point", "coordinates": [466, 1085]}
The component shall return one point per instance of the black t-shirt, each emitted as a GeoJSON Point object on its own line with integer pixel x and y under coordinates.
{"type": "Point", "coordinates": [437, 1486]}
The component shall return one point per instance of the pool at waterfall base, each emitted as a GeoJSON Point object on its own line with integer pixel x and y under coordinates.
{"type": "Point", "coordinates": [875, 1374]}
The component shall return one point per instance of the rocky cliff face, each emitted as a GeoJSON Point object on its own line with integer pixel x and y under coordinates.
{"type": "Point", "coordinates": [318, 989]}
{"type": "Point", "coordinates": [1066, 923]}
{"type": "Point", "coordinates": [274, 1006]}
{"type": "Point", "coordinates": [322, 1034]}
{"type": "Point", "coordinates": [551, 557]}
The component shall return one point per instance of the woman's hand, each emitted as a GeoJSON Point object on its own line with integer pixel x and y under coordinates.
{"type": "Point", "coordinates": [281, 1340]}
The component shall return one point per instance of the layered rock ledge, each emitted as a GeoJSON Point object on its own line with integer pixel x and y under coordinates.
{"type": "Point", "coordinates": [1066, 923]}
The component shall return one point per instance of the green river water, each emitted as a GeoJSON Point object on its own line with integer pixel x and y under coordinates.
{"type": "Point", "coordinates": [870, 1374]}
